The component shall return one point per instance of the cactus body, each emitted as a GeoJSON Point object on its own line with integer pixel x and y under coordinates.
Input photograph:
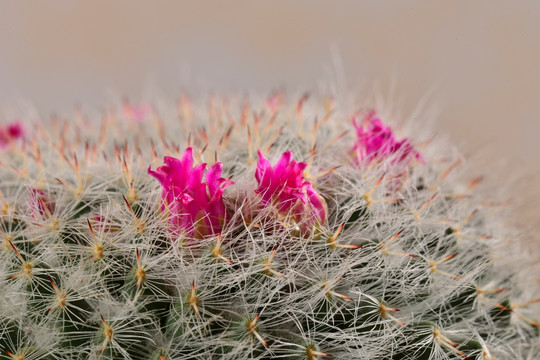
{"type": "Point", "coordinates": [362, 247]}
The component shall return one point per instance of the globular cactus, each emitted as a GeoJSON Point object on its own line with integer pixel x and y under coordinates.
{"type": "Point", "coordinates": [310, 236]}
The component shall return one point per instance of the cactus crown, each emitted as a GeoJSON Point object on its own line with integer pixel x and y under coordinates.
{"type": "Point", "coordinates": [327, 243]}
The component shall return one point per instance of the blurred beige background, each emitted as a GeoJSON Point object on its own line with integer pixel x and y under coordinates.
{"type": "Point", "coordinates": [480, 58]}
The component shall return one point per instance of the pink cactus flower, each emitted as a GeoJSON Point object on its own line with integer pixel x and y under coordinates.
{"type": "Point", "coordinates": [11, 133]}
{"type": "Point", "coordinates": [377, 141]}
{"type": "Point", "coordinates": [283, 186]}
{"type": "Point", "coordinates": [196, 207]}
{"type": "Point", "coordinates": [15, 130]}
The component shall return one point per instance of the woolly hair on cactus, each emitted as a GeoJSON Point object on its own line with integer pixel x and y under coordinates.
{"type": "Point", "coordinates": [266, 232]}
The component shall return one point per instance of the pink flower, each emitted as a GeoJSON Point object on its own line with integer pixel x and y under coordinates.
{"type": "Point", "coordinates": [196, 207]}
{"type": "Point", "coordinates": [283, 186]}
{"type": "Point", "coordinates": [11, 132]}
{"type": "Point", "coordinates": [15, 130]}
{"type": "Point", "coordinates": [377, 141]}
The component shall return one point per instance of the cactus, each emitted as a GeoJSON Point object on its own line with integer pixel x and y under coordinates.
{"type": "Point", "coordinates": [308, 237]}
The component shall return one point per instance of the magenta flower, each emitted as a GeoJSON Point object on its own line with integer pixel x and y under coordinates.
{"type": "Point", "coordinates": [195, 207]}
{"type": "Point", "coordinates": [377, 141]}
{"type": "Point", "coordinates": [283, 186]}
{"type": "Point", "coordinates": [15, 130]}
{"type": "Point", "coordinates": [11, 132]}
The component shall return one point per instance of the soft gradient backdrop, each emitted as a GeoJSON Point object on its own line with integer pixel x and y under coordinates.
{"type": "Point", "coordinates": [479, 60]}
